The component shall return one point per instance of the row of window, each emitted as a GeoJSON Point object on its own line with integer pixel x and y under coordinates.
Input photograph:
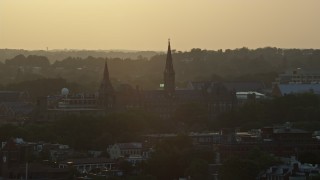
{"type": "Point", "coordinates": [132, 151]}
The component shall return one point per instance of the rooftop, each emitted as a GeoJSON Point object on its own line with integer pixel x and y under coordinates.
{"type": "Point", "coordinates": [87, 161]}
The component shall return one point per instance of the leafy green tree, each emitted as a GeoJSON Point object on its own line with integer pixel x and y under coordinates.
{"type": "Point", "coordinates": [126, 167]}
{"type": "Point", "coordinates": [248, 166]}
{"type": "Point", "coordinates": [141, 177]}
{"type": "Point", "coordinates": [170, 159]}
{"type": "Point", "coordinates": [315, 177]}
{"type": "Point", "coordinates": [197, 170]}
{"type": "Point", "coordinates": [236, 168]}
{"type": "Point", "coordinates": [309, 157]}
{"type": "Point", "coordinates": [261, 158]}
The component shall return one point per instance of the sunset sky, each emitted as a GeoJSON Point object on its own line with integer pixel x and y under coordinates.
{"type": "Point", "coordinates": [147, 24]}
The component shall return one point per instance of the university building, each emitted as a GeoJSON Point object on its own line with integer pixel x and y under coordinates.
{"type": "Point", "coordinates": [164, 102]}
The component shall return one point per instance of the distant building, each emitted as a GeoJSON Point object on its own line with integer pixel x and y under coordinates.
{"type": "Point", "coordinates": [243, 92]}
{"type": "Point", "coordinates": [296, 81]}
{"type": "Point", "coordinates": [165, 102]}
{"type": "Point", "coordinates": [125, 150]}
{"type": "Point", "coordinates": [58, 152]}
{"type": "Point", "coordinates": [291, 170]}
{"type": "Point", "coordinates": [85, 165]}
{"type": "Point", "coordinates": [250, 96]}
{"type": "Point", "coordinates": [298, 76]}
{"type": "Point", "coordinates": [199, 140]}
{"type": "Point", "coordinates": [280, 141]}
{"type": "Point", "coordinates": [15, 153]}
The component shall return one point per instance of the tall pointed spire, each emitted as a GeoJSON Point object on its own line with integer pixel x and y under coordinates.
{"type": "Point", "coordinates": [169, 64]}
{"type": "Point", "coordinates": [169, 74]}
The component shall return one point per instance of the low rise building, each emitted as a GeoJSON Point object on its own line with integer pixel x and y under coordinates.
{"type": "Point", "coordinates": [17, 154]}
{"type": "Point", "coordinates": [279, 140]}
{"type": "Point", "coordinates": [291, 170]}
{"type": "Point", "coordinates": [119, 150]}
{"type": "Point", "coordinates": [298, 76]}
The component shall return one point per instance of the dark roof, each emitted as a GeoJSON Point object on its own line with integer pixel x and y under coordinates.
{"type": "Point", "coordinates": [244, 86]}
{"type": "Point", "coordinates": [199, 85]}
{"type": "Point", "coordinates": [231, 86]}
{"type": "Point", "coordinates": [289, 130]}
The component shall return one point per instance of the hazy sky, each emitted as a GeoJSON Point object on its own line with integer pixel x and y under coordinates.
{"type": "Point", "coordinates": [147, 24]}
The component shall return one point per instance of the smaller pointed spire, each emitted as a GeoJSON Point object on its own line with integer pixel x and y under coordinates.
{"type": "Point", "coordinates": [106, 71]}
{"type": "Point", "coordinates": [106, 83]}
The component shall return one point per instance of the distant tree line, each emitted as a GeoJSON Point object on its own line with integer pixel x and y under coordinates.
{"type": "Point", "coordinates": [262, 64]}
{"type": "Point", "coordinates": [42, 87]}
{"type": "Point", "coordinates": [58, 55]}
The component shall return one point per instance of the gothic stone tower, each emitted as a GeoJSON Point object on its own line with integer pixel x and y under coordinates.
{"type": "Point", "coordinates": [106, 91]}
{"type": "Point", "coordinates": [169, 74]}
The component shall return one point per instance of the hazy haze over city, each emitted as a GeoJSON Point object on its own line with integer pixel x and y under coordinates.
{"type": "Point", "coordinates": [147, 24]}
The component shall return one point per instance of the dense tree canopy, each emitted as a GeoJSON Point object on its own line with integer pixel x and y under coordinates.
{"type": "Point", "coordinates": [301, 109]}
{"type": "Point", "coordinates": [174, 158]}
{"type": "Point", "coordinates": [85, 132]}
{"type": "Point", "coordinates": [247, 167]}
